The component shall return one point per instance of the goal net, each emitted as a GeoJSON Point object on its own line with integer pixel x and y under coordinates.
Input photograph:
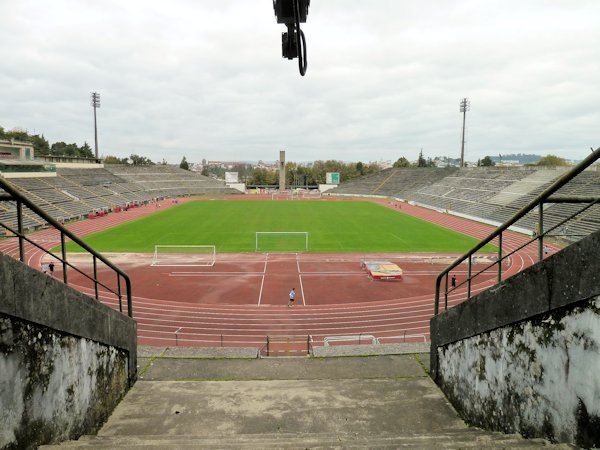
{"type": "Point", "coordinates": [311, 194]}
{"type": "Point", "coordinates": [184, 255]}
{"type": "Point", "coordinates": [282, 241]}
{"type": "Point", "coordinates": [284, 195]}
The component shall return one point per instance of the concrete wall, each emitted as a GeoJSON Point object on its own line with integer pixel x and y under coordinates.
{"type": "Point", "coordinates": [525, 356]}
{"type": "Point", "coordinates": [22, 151]}
{"type": "Point", "coordinates": [65, 359]}
{"type": "Point", "coordinates": [326, 187]}
{"type": "Point", "coordinates": [237, 186]}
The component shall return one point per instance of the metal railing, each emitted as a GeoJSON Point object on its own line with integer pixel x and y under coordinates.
{"type": "Point", "coordinates": [538, 202]}
{"type": "Point", "coordinates": [287, 345]}
{"type": "Point", "coordinates": [12, 194]}
{"type": "Point", "coordinates": [360, 338]}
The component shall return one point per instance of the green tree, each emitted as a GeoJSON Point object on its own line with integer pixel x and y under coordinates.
{"type": "Point", "coordinates": [360, 168]}
{"type": "Point", "coordinates": [63, 149]}
{"type": "Point", "coordinates": [41, 147]}
{"type": "Point", "coordinates": [264, 177]}
{"type": "Point", "coordinates": [422, 162]}
{"type": "Point", "coordinates": [17, 134]}
{"type": "Point", "coordinates": [184, 164]}
{"type": "Point", "coordinates": [138, 160]}
{"type": "Point", "coordinates": [487, 162]}
{"type": "Point", "coordinates": [320, 169]}
{"type": "Point", "coordinates": [402, 162]}
{"type": "Point", "coordinates": [114, 160]}
{"type": "Point", "coordinates": [372, 168]}
{"type": "Point", "coordinates": [551, 160]}
{"type": "Point", "coordinates": [86, 151]}
{"type": "Point", "coordinates": [291, 174]}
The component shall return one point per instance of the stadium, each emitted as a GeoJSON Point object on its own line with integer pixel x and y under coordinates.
{"type": "Point", "coordinates": [199, 264]}
{"type": "Point", "coordinates": [218, 280]}
{"type": "Point", "coordinates": [355, 295]}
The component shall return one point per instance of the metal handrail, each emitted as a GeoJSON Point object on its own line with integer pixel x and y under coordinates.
{"type": "Point", "coordinates": [266, 348]}
{"type": "Point", "coordinates": [21, 200]}
{"type": "Point", "coordinates": [538, 202]}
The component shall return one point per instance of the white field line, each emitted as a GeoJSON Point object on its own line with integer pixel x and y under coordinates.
{"type": "Point", "coordinates": [218, 274]}
{"type": "Point", "coordinates": [387, 321]}
{"type": "Point", "coordinates": [167, 315]}
{"type": "Point", "coordinates": [262, 282]}
{"type": "Point", "coordinates": [420, 325]}
{"type": "Point", "coordinates": [300, 278]}
{"type": "Point", "coordinates": [383, 334]}
{"type": "Point", "coordinates": [402, 311]}
{"type": "Point", "coordinates": [401, 304]}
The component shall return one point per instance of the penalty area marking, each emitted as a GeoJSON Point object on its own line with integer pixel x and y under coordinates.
{"type": "Point", "coordinates": [300, 278]}
{"type": "Point", "coordinates": [330, 273]}
{"type": "Point", "coordinates": [214, 274]}
{"type": "Point", "coordinates": [262, 282]}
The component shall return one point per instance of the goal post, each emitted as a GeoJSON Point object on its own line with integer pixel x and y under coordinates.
{"type": "Point", "coordinates": [282, 241]}
{"type": "Point", "coordinates": [184, 255]}
{"type": "Point", "coordinates": [312, 194]}
{"type": "Point", "coordinates": [284, 195]}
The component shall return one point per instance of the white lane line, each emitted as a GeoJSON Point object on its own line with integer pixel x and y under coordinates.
{"type": "Point", "coordinates": [333, 273]}
{"type": "Point", "coordinates": [262, 282]}
{"type": "Point", "coordinates": [240, 275]}
{"type": "Point", "coordinates": [213, 274]}
{"type": "Point", "coordinates": [300, 278]}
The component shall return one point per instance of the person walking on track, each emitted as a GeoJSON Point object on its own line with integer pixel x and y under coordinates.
{"type": "Point", "coordinates": [292, 295]}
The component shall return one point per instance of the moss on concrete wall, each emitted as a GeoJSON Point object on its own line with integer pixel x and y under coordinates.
{"type": "Point", "coordinates": [538, 377]}
{"type": "Point", "coordinates": [54, 386]}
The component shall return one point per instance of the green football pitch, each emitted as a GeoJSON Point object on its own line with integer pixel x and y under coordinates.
{"type": "Point", "coordinates": [231, 226]}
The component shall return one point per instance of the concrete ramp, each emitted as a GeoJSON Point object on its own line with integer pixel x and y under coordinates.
{"type": "Point", "coordinates": [525, 186]}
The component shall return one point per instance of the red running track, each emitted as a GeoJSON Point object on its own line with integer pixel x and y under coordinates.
{"type": "Point", "coordinates": [243, 298]}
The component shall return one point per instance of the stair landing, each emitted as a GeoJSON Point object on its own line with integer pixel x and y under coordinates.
{"type": "Point", "coordinates": [384, 401]}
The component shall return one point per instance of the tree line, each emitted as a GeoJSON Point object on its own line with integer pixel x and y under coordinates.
{"type": "Point", "coordinates": [42, 147]}
{"type": "Point", "coordinates": [311, 174]}
{"type": "Point", "coordinates": [297, 174]}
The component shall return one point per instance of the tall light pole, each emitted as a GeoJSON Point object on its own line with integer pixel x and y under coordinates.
{"type": "Point", "coordinates": [465, 105]}
{"type": "Point", "coordinates": [96, 104]}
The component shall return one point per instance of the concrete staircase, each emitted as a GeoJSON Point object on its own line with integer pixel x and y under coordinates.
{"type": "Point", "coordinates": [388, 401]}
{"type": "Point", "coordinates": [449, 440]}
{"type": "Point", "coordinates": [525, 186]}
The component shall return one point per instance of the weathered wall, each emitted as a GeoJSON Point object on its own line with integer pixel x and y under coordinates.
{"type": "Point", "coordinates": [53, 386]}
{"type": "Point", "coordinates": [538, 377]}
{"type": "Point", "coordinates": [65, 359]}
{"type": "Point", "coordinates": [525, 356]}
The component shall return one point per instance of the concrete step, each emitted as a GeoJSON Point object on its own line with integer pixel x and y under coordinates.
{"type": "Point", "coordinates": [450, 439]}
{"type": "Point", "coordinates": [524, 186]}
{"type": "Point", "coordinates": [369, 402]}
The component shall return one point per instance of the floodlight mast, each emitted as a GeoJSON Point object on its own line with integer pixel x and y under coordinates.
{"type": "Point", "coordinates": [293, 43]}
{"type": "Point", "coordinates": [95, 99]}
{"type": "Point", "coordinates": [465, 105]}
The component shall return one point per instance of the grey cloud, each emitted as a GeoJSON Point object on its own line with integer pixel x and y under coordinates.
{"type": "Point", "coordinates": [206, 79]}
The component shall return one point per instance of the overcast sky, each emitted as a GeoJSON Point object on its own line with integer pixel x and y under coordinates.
{"type": "Point", "coordinates": [205, 78]}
